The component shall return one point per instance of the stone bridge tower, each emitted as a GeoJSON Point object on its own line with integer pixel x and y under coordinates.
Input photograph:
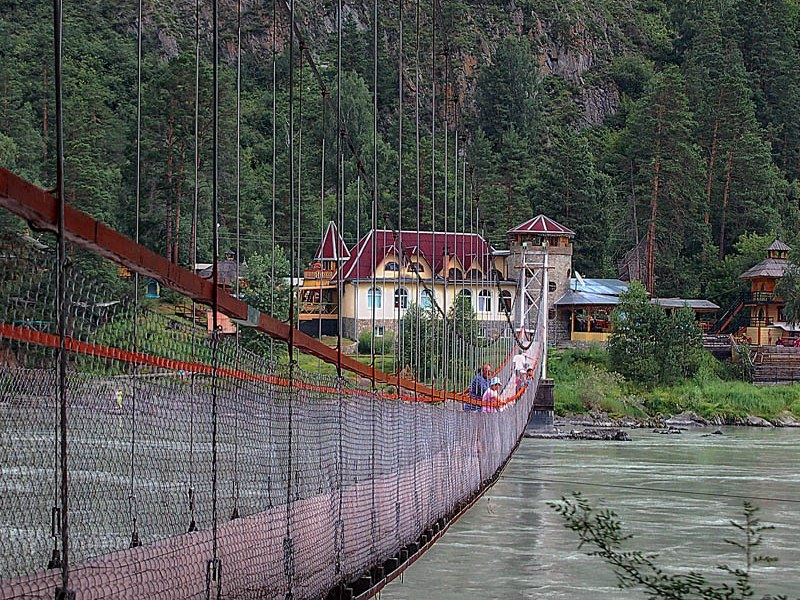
{"type": "Point", "coordinates": [527, 243]}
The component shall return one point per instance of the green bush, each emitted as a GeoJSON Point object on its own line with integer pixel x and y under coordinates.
{"type": "Point", "coordinates": [650, 347]}
{"type": "Point", "coordinates": [383, 344]}
{"type": "Point", "coordinates": [596, 385]}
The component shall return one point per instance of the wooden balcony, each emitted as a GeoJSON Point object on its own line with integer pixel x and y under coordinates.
{"type": "Point", "coordinates": [318, 274]}
{"type": "Point", "coordinates": [316, 310]}
{"type": "Point", "coordinates": [762, 298]}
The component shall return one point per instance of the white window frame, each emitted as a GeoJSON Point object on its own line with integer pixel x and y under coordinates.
{"type": "Point", "coordinates": [425, 299]}
{"type": "Point", "coordinates": [485, 301]}
{"type": "Point", "coordinates": [375, 295]}
{"type": "Point", "coordinates": [401, 298]}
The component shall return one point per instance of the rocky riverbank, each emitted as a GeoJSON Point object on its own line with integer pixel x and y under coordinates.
{"type": "Point", "coordinates": [683, 420]}
{"type": "Point", "coordinates": [600, 426]}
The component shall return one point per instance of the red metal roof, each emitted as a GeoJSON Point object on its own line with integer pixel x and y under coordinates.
{"type": "Point", "coordinates": [541, 225]}
{"type": "Point", "coordinates": [467, 247]}
{"type": "Point", "coordinates": [332, 246]}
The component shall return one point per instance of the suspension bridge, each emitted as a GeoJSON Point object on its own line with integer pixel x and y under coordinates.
{"type": "Point", "coordinates": [144, 456]}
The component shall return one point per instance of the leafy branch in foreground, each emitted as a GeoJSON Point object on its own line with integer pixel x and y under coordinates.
{"type": "Point", "coordinates": [602, 531]}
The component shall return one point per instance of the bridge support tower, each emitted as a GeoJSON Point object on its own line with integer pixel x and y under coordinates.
{"type": "Point", "coordinates": [542, 413]}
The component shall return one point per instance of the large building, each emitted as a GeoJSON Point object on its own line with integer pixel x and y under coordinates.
{"type": "Point", "coordinates": [389, 270]}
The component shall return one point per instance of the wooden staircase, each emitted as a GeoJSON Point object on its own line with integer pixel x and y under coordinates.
{"type": "Point", "coordinates": [775, 364]}
{"type": "Point", "coordinates": [728, 322]}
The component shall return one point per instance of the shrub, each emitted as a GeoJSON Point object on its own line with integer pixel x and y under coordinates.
{"type": "Point", "coordinates": [383, 344]}
{"type": "Point", "coordinates": [596, 385]}
{"type": "Point", "coordinates": [650, 347]}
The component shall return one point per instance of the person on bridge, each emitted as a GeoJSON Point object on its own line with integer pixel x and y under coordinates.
{"type": "Point", "coordinates": [479, 385]}
{"type": "Point", "coordinates": [520, 361]}
{"type": "Point", "coordinates": [491, 397]}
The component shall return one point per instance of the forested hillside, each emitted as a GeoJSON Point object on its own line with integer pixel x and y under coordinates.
{"type": "Point", "coordinates": [672, 124]}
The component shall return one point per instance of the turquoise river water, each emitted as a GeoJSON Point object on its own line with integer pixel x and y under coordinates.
{"type": "Point", "coordinates": [675, 493]}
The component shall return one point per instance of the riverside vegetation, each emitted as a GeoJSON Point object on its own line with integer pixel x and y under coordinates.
{"type": "Point", "coordinates": [655, 365]}
{"type": "Point", "coordinates": [586, 383]}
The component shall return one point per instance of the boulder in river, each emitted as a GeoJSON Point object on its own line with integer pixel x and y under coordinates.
{"type": "Point", "coordinates": [686, 419]}
{"type": "Point", "coordinates": [669, 430]}
{"type": "Point", "coordinates": [607, 435]}
{"type": "Point", "coordinates": [786, 420]}
{"type": "Point", "coordinates": [752, 421]}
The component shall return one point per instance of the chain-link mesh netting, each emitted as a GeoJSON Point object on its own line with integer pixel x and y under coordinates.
{"type": "Point", "coordinates": [290, 481]}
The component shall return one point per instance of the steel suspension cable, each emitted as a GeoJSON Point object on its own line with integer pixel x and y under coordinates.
{"type": "Point", "coordinates": [358, 240]}
{"type": "Point", "coordinates": [274, 166]}
{"type": "Point", "coordinates": [322, 231]}
{"type": "Point", "coordinates": [417, 347]}
{"type": "Point", "coordinates": [469, 366]}
{"type": "Point", "coordinates": [401, 298]}
{"type": "Point", "coordinates": [296, 320]}
{"type": "Point", "coordinates": [401, 257]}
{"type": "Point", "coordinates": [433, 184]}
{"type": "Point", "coordinates": [213, 570]}
{"type": "Point", "coordinates": [235, 482]}
{"type": "Point", "coordinates": [238, 139]}
{"type": "Point", "coordinates": [60, 515]}
{"type": "Point", "coordinates": [132, 501]}
{"type": "Point", "coordinates": [373, 403]}
{"type": "Point", "coordinates": [446, 252]}
{"type": "Point", "coordinates": [339, 528]}
{"type": "Point", "coordinates": [193, 244]}
{"type": "Point", "coordinates": [288, 547]}
{"type": "Point", "coordinates": [339, 198]}
{"type": "Point", "coordinates": [457, 236]}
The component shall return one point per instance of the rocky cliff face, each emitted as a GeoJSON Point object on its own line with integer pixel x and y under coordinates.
{"type": "Point", "coordinates": [576, 42]}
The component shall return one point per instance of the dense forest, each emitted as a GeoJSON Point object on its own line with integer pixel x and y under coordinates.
{"type": "Point", "coordinates": [667, 127]}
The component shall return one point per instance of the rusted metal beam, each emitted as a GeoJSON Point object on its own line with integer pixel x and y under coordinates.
{"type": "Point", "coordinates": [38, 207]}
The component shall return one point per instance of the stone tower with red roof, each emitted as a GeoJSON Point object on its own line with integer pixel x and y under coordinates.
{"type": "Point", "coordinates": [529, 237]}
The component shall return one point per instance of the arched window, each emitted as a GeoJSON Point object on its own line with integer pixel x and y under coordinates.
{"type": "Point", "coordinates": [474, 274]}
{"type": "Point", "coordinates": [415, 267]}
{"type": "Point", "coordinates": [391, 266]}
{"type": "Point", "coordinates": [401, 298]}
{"type": "Point", "coordinates": [374, 298]}
{"type": "Point", "coordinates": [485, 301]}
{"type": "Point", "coordinates": [455, 274]}
{"type": "Point", "coordinates": [505, 300]}
{"type": "Point", "coordinates": [466, 295]}
{"type": "Point", "coordinates": [425, 299]}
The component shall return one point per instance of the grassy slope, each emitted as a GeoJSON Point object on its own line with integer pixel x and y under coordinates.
{"type": "Point", "coordinates": [584, 383]}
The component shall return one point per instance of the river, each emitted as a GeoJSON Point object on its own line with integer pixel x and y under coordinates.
{"type": "Point", "coordinates": [674, 493]}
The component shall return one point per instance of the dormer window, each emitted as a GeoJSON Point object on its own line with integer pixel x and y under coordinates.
{"type": "Point", "coordinates": [415, 267]}
{"type": "Point", "coordinates": [455, 274]}
{"type": "Point", "coordinates": [392, 266]}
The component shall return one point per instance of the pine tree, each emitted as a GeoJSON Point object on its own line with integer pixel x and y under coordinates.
{"type": "Point", "coordinates": [665, 168]}
{"type": "Point", "coordinates": [571, 190]}
{"type": "Point", "coordinates": [508, 92]}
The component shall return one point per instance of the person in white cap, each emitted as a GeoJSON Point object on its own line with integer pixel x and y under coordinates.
{"type": "Point", "coordinates": [491, 397]}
